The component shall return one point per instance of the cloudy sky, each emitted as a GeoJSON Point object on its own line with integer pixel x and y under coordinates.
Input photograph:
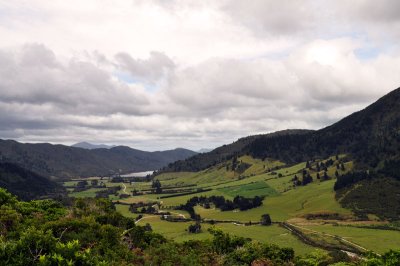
{"type": "Point", "coordinates": [160, 74]}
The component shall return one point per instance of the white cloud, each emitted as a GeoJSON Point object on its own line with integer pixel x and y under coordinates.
{"type": "Point", "coordinates": [160, 74]}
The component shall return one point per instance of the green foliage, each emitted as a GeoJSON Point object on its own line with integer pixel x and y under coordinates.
{"type": "Point", "coordinates": [252, 251]}
{"type": "Point", "coordinates": [27, 184]}
{"type": "Point", "coordinates": [223, 243]}
{"type": "Point", "coordinates": [49, 210]}
{"type": "Point", "coordinates": [315, 258]}
{"type": "Point", "coordinates": [6, 197]}
{"type": "Point", "coordinates": [93, 233]}
{"type": "Point", "coordinates": [378, 196]}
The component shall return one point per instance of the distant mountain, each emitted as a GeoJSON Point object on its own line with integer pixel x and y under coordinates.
{"type": "Point", "coordinates": [26, 184]}
{"type": "Point", "coordinates": [61, 161]}
{"type": "Point", "coordinates": [90, 146]}
{"type": "Point", "coordinates": [204, 150]}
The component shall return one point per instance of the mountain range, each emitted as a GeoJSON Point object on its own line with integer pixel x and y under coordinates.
{"type": "Point", "coordinates": [370, 137]}
{"type": "Point", "coordinates": [91, 146]}
{"type": "Point", "coordinates": [61, 162]}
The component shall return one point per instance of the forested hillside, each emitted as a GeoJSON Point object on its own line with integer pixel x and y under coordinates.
{"type": "Point", "coordinates": [61, 161]}
{"type": "Point", "coordinates": [371, 136]}
{"type": "Point", "coordinates": [26, 184]}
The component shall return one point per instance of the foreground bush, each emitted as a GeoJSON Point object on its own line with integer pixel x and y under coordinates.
{"type": "Point", "coordinates": [91, 232]}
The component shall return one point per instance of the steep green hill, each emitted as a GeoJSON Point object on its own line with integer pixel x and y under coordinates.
{"type": "Point", "coordinates": [227, 152]}
{"type": "Point", "coordinates": [371, 136]}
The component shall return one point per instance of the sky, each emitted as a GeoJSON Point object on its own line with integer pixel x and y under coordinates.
{"type": "Point", "coordinates": [161, 74]}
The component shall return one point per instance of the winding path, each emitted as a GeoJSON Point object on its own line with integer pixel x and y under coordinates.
{"type": "Point", "coordinates": [145, 217]}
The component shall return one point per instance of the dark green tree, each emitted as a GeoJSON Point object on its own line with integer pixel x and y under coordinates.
{"type": "Point", "coordinates": [266, 219]}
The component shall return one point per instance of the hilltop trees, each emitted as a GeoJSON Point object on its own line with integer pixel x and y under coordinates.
{"type": "Point", "coordinates": [352, 178]}
{"type": "Point", "coordinates": [306, 178]}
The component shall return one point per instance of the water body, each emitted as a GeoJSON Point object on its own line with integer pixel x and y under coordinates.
{"type": "Point", "coordinates": [138, 174]}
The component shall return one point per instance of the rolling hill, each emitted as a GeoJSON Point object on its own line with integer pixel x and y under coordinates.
{"type": "Point", "coordinates": [59, 161]}
{"type": "Point", "coordinates": [224, 153]}
{"type": "Point", "coordinates": [371, 136]}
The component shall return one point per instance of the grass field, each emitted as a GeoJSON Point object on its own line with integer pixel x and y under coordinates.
{"type": "Point", "coordinates": [90, 193]}
{"type": "Point", "coordinates": [372, 239]}
{"type": "Point", "coordinates": [249, 190]}
{"type": "Point", "coordinates": [265, 234]}
{"type": "Point", "coordinates": [124, 210]}
{"type": "Point", "coordinates": [269, 178]}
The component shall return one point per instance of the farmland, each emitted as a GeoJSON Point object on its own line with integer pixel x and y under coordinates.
{"type": "Point", "coordinates": [285, 197]}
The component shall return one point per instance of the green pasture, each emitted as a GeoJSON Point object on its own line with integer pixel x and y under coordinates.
{"type": "Point", "coordinates": [372, 239]}
{"type": "Point", "coordinates": [265, 234]}
{"type": "Point", "coordinates": [282, 201]}
{"type": "Point", "coordinates": [249, 190]}
{"type": "Point", "coordinates": [89, 193]}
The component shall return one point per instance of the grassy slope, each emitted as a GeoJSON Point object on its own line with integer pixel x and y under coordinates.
{"type": "Point", "coordinates": [272, 234]}
{"type": "Point", "coordinates": [282, 203]}
{"type": "Point", "coordinates": [89, 193]}
{"type": "Point", "coordinates": [373, 239]}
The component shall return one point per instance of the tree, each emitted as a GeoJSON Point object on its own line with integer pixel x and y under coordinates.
{"type": "Point", "coordinates": [157, 186]}
{"type": "Point", "coordinates": [148, 228]}
{"type": "Point", "coordinates": [326, 177]}
{"type": "Point", "coordinates": [194, 228]}
{"type": "Point", "coordinates": [234, 163]}
{"type": "Point", "coordinates": [266, 219]}
{"type": "Point", "coordinates": [307, 179]}
{"type": "Point", "coordinates": [82, 183]}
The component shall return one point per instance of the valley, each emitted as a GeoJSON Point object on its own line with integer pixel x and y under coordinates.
{"type": "Point", "coordinates": [294, 196]}
{"type": "Point", "coordinates": [312, 208]}
{"type": "Point", "coordinates": [197, 133]}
